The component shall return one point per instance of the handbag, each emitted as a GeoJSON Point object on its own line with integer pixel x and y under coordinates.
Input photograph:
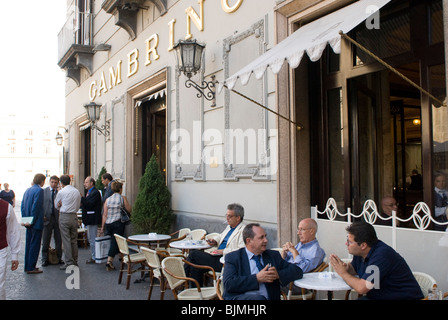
{"type": "Point", "coordinates": [125, 216]}
{"type": "Point", "coordinates": [52, 256]}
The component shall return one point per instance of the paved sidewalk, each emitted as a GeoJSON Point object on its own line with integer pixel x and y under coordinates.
{"type": "Point", "coordinates": [95, 283]}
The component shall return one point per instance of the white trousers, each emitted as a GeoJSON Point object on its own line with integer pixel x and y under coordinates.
{"type": "Point", "coordinates": [3, 261]}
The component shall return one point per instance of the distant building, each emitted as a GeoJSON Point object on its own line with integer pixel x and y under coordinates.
{"type": "Point", "coordinates": [27, 147]}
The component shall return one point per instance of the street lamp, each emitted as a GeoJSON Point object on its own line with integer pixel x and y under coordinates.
{"type": "Point", "coordinates": [189, 61]}
{"type": "Point", "coordinates": [59, 138]}
{"type": "Point", "coordinates": [93, 111]}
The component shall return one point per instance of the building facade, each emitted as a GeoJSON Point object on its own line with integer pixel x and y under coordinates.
{"type": "Point", "coordinates": [28, 147]}
{"type": "Point", "coordinates": [211, 156]}
{"type": "Point", "coordinates": [363, 128]}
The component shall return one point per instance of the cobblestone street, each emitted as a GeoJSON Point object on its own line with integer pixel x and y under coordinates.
{"type": "Point", "coordinates": [95, 283]}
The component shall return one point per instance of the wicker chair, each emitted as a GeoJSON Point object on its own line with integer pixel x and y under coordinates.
{"type": "Point", "coordinates": [173, 269]}
{"type": "Point", "coordinates": [130, 259]}
{"type": "Point", "coordinates": [181, 234]}
{"type": "Point", "coordinates": [153, 260]}
{"type": "Point", "coordinates": [219, 288]}
{"type": "Point", "coordinates": [197, 234]}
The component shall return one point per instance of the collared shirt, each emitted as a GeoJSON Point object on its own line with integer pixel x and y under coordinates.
{"type": "Point", "coordinates": [70, 199]}
{"type": "Point", "coordinates": [226, 238]}
{"type": "Point", "coordinates": [254, 270]}
{"type": "Point", "coordinates": [12, 233]}
{"type": "Point", "coordinates": [90, 190]}
{"type": "Point", "coordinates": [389, 272]}
{"type": "Point", "coordinates": [310, 256]}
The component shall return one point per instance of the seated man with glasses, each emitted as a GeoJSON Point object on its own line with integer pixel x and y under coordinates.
{"type": "Point", "coordinates": [307, 254]}
{"type": "Point", "coordinates": [229, 240]}
{"type": "Point", "coordinates": [377, 271]}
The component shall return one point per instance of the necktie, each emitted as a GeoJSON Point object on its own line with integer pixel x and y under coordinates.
{"type": "Point", "coordinates": [52, 201]}
{"type": "Point", "coordinates": [258, 262]}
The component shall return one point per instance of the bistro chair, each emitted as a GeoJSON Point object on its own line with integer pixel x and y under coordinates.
{"type": "Point", "coordinates": [130, 259]}
{"type": "Point", "coordinates": [426, 282]}
{"type": "Point", "coordinates": [83, 242]}
{"type": "Point", "coordinates": [181, 235]}
{"type": "Point", "coordinates": [306, 295]}
{"type": "Point", "coordinates": [173, 268]}
{"type": "Point", "coordinates": [197, 234]}
{"type": "Point", "coordinates": [219, 288]}
{"type": "Point", "coordinates": [155, 270]}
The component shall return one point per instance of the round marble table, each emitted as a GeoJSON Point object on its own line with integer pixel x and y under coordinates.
{"type": "Point", "coordinates": [325, 281]}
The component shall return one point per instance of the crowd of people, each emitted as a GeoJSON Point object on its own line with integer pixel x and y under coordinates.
{"type": "Point", "coordinates": [52, 213]}
{"type": "Point", "coordinates": [250, 271]}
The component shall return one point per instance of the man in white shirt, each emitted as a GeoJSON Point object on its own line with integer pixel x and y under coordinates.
{"type": "Point", "coordinates": [68, 200]}
{"type": "Point", "coordinates": [229, 240]}
{"type": "Point", "coordinates": [9, 237]}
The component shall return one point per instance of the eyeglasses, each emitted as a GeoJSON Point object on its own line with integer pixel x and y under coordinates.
{"type": "Point", "coordinates": [351, 242]}
{"type": "Point", "coordinates": [303, 229]}
{"type": "Point", "coordinates": [392, 205]}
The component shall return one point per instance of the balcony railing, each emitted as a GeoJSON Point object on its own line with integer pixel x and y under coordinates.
{"type": "Point", "coordinates": [77, 30]}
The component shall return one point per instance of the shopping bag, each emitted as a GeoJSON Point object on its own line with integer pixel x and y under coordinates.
{"type": "Point", "coordinates": [102, 245]}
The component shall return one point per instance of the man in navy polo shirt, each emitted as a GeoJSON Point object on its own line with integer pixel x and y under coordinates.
{"type": "Point", "coordinates": [376, 271]}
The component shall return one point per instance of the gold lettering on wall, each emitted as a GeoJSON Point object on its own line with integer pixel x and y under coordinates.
{"type": "Point", "coordinates": [171, 40]}
{"type": "Point", "coordinates": [115, 75]}
{"type": "Point", "coordinates": [230, 9]}
{"type": "Point", "coordinates": [92, 90]}
{"type": "Point", "coordinates": [132, 62]}
{"type": "Point", "coordinates": [152, 49]}
{"type": "Point", "coordinates": [103, 86]}
{"type": "Point", "coordinates": [197, 20]}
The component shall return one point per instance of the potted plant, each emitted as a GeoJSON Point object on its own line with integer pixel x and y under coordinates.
{"type": "Point", "coordinates": [152, 210]}
{"type": "Point", "coordinates": [98, 183]}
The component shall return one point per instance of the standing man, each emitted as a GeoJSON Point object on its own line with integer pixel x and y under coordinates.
{"type": "Point", "coordinates": [229, 240]}
{"type": "Point", "coordinates": [255, 273]}
{"type": "Point", "coordinates": [32, 206]}
{"type": "Point", "coordinates": [51, 222]}
{"type": "Point", "coordinates": [376, 271]}
{"type": "Point", "coordinates": [91, 213]}
{"type": "Point", "coordinates": [68, 200]}
{"type": "Point", "coordinates": [9, 236]}
{"type": "Point", "coordinates": [106, 180]}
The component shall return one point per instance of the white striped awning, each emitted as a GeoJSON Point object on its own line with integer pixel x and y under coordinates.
{"type": "Point", "coordinates": [312, 38]}
{"type": "Point", "coordinates": [155, 95]}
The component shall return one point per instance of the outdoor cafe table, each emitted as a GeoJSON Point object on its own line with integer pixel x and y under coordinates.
{"type": "Point", "coordinates": [190, 245]}
{"type": "Point", "coordinates": [149, 238]}
{"type": "Point", "coordinates": [325, 281]}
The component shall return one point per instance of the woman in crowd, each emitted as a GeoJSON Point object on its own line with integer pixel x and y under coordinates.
{"type": "Point", "coordinates": [112, 220]}
{"type": "Point", "coordinates": [8, 195]}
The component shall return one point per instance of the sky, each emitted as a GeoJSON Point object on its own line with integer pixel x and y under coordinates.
{"type": "Point", "coordinates": [31, 81]}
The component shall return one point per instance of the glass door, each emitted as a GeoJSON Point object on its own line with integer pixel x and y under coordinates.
{"type": "Point", "coordinates": [363, 139]}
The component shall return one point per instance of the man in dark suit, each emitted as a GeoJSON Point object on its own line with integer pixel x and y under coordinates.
{"type": "Point", "coordinates": [255, 273]}
{"type": "Point", "coordinates": [91, 206]}
{"type": "Point", "coordinates": [51, 222]}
